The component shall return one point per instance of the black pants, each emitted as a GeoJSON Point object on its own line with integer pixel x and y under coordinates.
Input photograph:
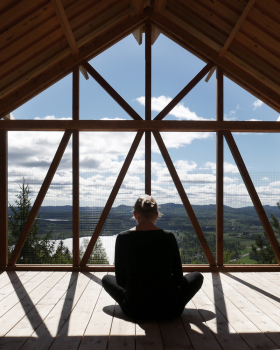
{"type": "Point", "coordinates": [189, 287]}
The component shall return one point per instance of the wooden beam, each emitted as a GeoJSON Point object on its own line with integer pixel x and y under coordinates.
{"type": "Point", "coordinates": [209, 75]}
{"type": "Point", "coordinates": [159, 6]}
{"type": "Point", "coordinates": [237, 27]}
{"type": "Point", "coordinates": [108, 88]}
{"type": "Point", "coordinates": [148, 71]}
{"type": "Point", "coordinates": [184, 199]}
{"type": "Point", "coordinates": [253, 194]}
{"type": "Point", "coordinates": [231, 68]}
{"type": "Point", "coordinates": [40, 197]}
{"type": "Point", "coordinates": [148, 163]}
{"type": "Point", "coordinates": [65, 66]}
{"type": "Point", "coordinates": [184, 92]}
{"type": "Point", "coordinates": [3, 197]}
{"type": "Point", "coordinates": [136, 7]}
{"type": "Point", "coordinates": [75, 168]}
{"type": "Point", "coordinates": [135, 125]}
{"type": "Point", "coordinates": [219, 169]}
{"type": "Point", "coordinates": [155, 34]}
{"type": "Point", "coordinates": [111, 198]}
{"type": "Point", "coordinates": [111, 268]}
{"type": "Point", "coordinates": [138, 34]}
{"type": "Point", "coordinates": [148, 104]}
{"type": "Point", "coordinates": [233, 34]}
{"type": "Point", "coordinates": [84, 72]}
{"type": "Point", "coordinates": [63, 20]}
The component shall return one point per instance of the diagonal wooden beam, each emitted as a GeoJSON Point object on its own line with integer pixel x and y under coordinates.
{"type": "Point", "coordinates": [233, 33]}
{"type": "Point", "coordinates": [111, 198]}
{"type": "Point", "coordinates": [84, 72]}
{"type": "Point", "coordinates": [47, 78]}
{"type": "Point", "coordinates": [108, 88]}
{"type": "Point", "coordinates": [220, 170]}
{"type": "Point", "coordinates": [184, 92]}
{"type": "Point", "coordinates": [237, 27]}
{"type": "Point", "coordinates": [75, 167]}
{"type": "Point", "coordinates": [253, 194]}
{"type": "Point", "coordinates": [184, 198]}
{"type": "Point", "coordinates": [3, 198]}
{"type": "Point", "coordinates": [63, 20]}
{"type": "Point", "coordinates": [40, 197]}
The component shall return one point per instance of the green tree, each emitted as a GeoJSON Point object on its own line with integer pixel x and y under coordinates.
{"type": "Point", "coordinates": [98, 255]}
{"type": "Point", "coordinates": [62, 254]}
{"type": "Point", "coordinates": [262, 252]}
{"type": "Point", "coordinates": [37, 249]}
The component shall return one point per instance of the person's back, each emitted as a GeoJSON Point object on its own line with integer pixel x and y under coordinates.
{"type": "Point", "coordinates": [148, 266]}
{"type": "Point", "coordinates": [149, 281]}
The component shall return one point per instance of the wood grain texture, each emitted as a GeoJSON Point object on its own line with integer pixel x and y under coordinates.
{"type": "Point", "coordinates": [102, 82]}
{"type": "Point", "coordinates": [219, 169]}
{"type": "Point", "coordinates": [76, 168]}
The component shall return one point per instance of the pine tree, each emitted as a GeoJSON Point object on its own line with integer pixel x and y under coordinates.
{"type": "Point", "coordinates": [36, 250]}
{"type": "Point", "coordinates": [98, 255]}
{"type": "Point", "coordinates": [31, 252]}
{"type": "Point", "coordinates": [262, 252]}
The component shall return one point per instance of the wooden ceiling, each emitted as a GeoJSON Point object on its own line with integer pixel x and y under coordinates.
{"type": "Point", "coordinates": [42, 40]}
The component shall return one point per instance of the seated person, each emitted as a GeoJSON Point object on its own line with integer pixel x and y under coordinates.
{"type": "Point", "coordinates": [149, 282]}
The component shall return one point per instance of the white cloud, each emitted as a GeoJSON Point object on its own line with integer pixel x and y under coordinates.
{"type": "Point", "coordinates": [278, 119]}
{"type": "Point", "coordinates": [257, 104]}
{"type": "Point", "coordinates": [51, 117]}
{"type": "Point", "coordinates": [253, 120]}
{"type": "Point", "coordinates": [275, 183]}
{"type": "Point", "coordinates": [265, 179]}
{"type": "Point", "coordinates": [180, 111]}
{"type": "Point", "coordinates": [228, 167]}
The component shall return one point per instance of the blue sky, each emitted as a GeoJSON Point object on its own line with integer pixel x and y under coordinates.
{"type": "Point", "coordinates": [102, 154]}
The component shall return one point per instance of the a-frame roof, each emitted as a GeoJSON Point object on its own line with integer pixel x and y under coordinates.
{"type": "Point", "coordinates": [42, 40]}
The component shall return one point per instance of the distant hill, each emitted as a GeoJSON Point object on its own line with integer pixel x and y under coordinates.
{"type": "Point", "coordinates": [59, 218]}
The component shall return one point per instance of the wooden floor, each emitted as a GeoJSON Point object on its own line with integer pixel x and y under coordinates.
{"type": "Point", "coordinates": [64, 310]}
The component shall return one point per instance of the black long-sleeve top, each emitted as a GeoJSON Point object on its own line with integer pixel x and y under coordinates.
{"type": "Point", "coordinates": [148, 266]}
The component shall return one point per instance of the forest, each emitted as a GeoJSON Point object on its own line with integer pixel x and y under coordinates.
{"type": "Point", "coordinates": [244, 240]}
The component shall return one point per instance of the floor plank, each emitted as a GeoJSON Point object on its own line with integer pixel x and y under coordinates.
{"type": "Point", "coordinates": [200, 335]}
{"type": "Point", "coordinates": [238, 320]}
{"type": "Point", "coordinates": [263, 322]}
{"type": "Point", "coordinates": [97, 332]}
{"type": "Point", "coordinates": [58, 310]}
{"type": "Point", "coordinates": [7, 277]}
{"type": "Point", "coordinates": [32, 319]}
{"type": "Point", "coordinates": [71, 292]}
{"type": "Point", "coordinates": [223, 331]}
{"type": "Point", "coordinates": [15, 282]}
{"type": "Point", "coordinates": [148, 335]}
{"type": "Point", "coordinates": [72, 331]}
{"type": "Point", "coordinates": [174, 335]}
{"type": "Point", "coordinates": [15, 298]}
{"type": "Point", "coordinates": [256, 298]}
{"type": "Point", "coordinates": [122, 332]}
{"type": "Point", "coordinates": [268, 291]}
